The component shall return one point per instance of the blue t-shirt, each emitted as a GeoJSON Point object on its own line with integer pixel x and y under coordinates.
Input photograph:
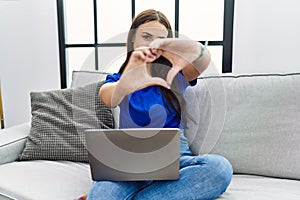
{"type": "Point", "coordinates": [146, 107]}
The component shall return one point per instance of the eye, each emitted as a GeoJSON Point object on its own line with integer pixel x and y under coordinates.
{"type": "Point", "coordinates": [147, 37]}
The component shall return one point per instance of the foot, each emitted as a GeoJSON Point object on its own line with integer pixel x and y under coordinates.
{"type": "Point", "coordinates": [82, 197]}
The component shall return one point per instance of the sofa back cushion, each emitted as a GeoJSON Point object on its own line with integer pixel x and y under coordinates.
{"type": "Point", "coordinates": [82, 78]}
{"type": "Point", "coordinates": [252, 120]}
{"type": "Point", "coordinates": [59, 119]}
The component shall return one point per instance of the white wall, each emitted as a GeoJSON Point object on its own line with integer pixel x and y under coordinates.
{"type": "Point", "coordinates": [266, 36]}
{"type": "Point", "coordinates": [28, 54]}
{"type": "Point", "coordinates": [266, 39]}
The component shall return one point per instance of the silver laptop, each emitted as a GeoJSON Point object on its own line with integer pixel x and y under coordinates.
{"type": "Point", "coordinates": [133, 154]}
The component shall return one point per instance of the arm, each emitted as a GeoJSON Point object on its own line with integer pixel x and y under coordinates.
{"type": "Point", "coordinates": [192, 71]}
{"type": "Point", "coordinates": [187, 55]}
{"type": "Point", "coordinates": [107, 92]}
{"type": "Point", "coordinates": [135, 77]}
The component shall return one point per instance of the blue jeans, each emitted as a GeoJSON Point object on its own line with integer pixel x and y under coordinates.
{"type": "Point", "coordinates": [201, 177]}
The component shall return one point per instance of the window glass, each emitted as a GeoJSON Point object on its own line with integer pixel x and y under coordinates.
{"type": "Point", "coordinates": [79, 21]}
{"type": "Point", "coordinates": [198, 20]}
{"type": "Point", "coordinates": [216, 60]}
{"type": "Point", "coordinates": [114, 19]}
{"type": "Point", "coordinates": [167, 7]}
{"type": "Point", "coordinates": [79, 59]}
{"type": "Point", "coordinates": [201, 19]}
{"type": "Point", "coordinates": [111, 58]}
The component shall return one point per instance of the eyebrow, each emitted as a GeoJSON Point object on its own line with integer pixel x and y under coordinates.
{"type": "Point", "coordinates": [161, 37]}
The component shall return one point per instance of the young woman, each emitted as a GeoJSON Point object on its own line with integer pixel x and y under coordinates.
{"type": "Point", "coordinates": [149, 90]}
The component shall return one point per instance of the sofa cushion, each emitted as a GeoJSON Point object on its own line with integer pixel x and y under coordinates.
{"type": "Point", "coordinates": [49, 180]}
{"type": "Point", "coordinates": [82, 78]}
{"type": "Point", "coordinates": [249, 187]}
{"type": "Point", "coordinates": [40, 179]}
{"type": "Point", "coordinates": [59, 119]}
{"type": "Point", "coordinates": [12, 142]}
{"type": "Point", "coordinates": [251, 120]}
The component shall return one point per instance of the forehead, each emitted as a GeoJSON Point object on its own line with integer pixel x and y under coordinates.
{"type": "Point", "coordinates": [154, 28]}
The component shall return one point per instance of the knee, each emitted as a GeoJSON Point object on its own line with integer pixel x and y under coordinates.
{"type": "Point", "coordinates": [222, 170]}
{"type": "Point", "coordinates": [212, 173]}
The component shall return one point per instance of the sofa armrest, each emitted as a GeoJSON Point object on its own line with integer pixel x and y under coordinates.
{"type": "Point", "coordinates": [12, 142]}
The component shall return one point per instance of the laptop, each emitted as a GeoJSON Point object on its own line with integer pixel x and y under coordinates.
{"type": "Point", "coordinates": [133, 154]}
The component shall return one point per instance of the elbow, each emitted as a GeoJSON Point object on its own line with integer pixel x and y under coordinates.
{"type": "Point", "coordinates": [103, 98]}
{"type": "Point", "coordinates": [206, 60]}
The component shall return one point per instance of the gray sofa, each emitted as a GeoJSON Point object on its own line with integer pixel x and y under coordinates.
{"type": "Point", "coordinates": [252, 120]}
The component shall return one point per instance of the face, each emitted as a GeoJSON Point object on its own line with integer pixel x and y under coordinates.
{"type": "Point", "coordinates": [148, 32]}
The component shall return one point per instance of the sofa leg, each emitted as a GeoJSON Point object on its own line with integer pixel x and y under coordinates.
{"type": "Point", "coordinates": [1, 111]}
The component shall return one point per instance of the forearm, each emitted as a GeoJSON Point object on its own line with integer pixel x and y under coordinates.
{"type": "Point", "coordinates": [193, 70]}
{"type": "Point", "coordinates": [201, 63]}
{"type": "Point", "coordinates": [111, 94]}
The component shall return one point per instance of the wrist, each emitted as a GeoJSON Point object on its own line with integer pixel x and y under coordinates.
{"type": "Point", "coordinates": [118, 93]}
{"type": "Point", "coordinates": [202, 62]}
{"type": "Point", "coordinates": [203, 51]}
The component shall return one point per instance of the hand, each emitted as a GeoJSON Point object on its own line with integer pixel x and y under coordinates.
{"type": "Point", "coordinates": [180, 52]}
{"type": "Point", "coordinates": [136, 75]}
{"type": "Point", "coordinates": [139, 58]}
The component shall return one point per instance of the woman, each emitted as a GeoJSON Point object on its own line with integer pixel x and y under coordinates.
{"type": "Point", "coordinates": [156, 72]}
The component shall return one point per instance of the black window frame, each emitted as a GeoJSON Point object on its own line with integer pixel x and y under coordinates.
{"type": "Point", "coordinates": [227, 42]}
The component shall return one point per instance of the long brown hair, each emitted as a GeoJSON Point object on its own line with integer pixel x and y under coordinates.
{"type": "Point", "coordinates": [158, 67]}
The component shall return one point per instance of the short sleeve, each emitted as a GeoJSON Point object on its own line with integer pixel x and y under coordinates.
{"type": "Point", "coordinates": [111, 78]}
{"type": "Point", "coordinates": [193, 82]}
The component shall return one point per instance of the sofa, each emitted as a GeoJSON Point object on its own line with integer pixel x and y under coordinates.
{"type": "Point", "coordinates": [252, 120]}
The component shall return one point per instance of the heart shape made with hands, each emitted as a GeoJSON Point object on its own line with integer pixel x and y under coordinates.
{"type": "Point", "coordinates": [180, 52]}
{"type": "Point", "coordinates": [136, 74]}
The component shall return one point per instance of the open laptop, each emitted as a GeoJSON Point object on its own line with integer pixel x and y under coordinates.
{"type": "Point", "coordinates": [133, 154]}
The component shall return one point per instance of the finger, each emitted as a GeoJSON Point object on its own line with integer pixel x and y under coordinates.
{"type": "Point", "coordinates": [156, 52]}
{"type": "Point", "coordinates": [149, 56]}
{"type": "Point", "coordinates": [171, 74]}
{"type": "Point", "coordinates": [174, 45]}
{"type": "Point", "coordinates": [157, 43]}
{"type": "Point", "coordinates": [160, 43]}
{"type": "Point", "coordinates": [140, 55]}
{"type": "Point", "coordinates": [168, 47]}
{"type": "Point", "coordinates": [141, 48]}
{"type": "Point", "coordinates": [158, 81]}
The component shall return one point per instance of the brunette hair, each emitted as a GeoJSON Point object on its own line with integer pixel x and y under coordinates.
{"type": "Point", "coordinates": [160, 66]}
{"type": "Point", "coordinates": [142, 18]}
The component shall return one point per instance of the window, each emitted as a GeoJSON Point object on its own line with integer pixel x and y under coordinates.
{"type": "Point", "coordinates": [92, 33]}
